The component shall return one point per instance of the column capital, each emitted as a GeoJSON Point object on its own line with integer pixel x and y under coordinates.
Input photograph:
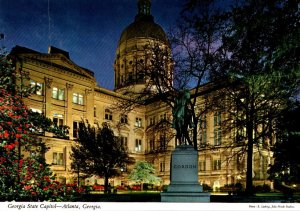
{"type": "Point", "coordinates": [48, 82]}
{"type": "Point", "coordinates": [88, 91]}
{"type": "Point", "coordinates": [69, 86]}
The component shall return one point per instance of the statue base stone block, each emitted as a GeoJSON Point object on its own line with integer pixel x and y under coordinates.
{"type": "Point", "coordinates": [184, 186]}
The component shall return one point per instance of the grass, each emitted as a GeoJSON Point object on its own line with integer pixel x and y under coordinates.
{"type": "Point", "coordinates": [154, 196]}
{"type": "Point", "coordinates": [123, 196]}
{"type": "Point", "coordinates": [269, 194]}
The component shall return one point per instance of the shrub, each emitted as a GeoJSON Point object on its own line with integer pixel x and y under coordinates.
{"type": "Point", "coordinates": [98, 187]}
{"type": "Point", "coordinates": [121, 187]}
{"type": "Point", "coordinates": [238, 187]}
{"type": "Point", "coordinates": [148, 186]}
{"type": "Point", "coordinates": [206, 187]}
{"type": "Point", "coordinates": [135, 187]}
{"type": "Point", "coordinates": [262, 188]}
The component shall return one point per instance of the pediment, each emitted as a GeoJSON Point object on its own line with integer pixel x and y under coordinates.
{"type": "Point", "coordinates": [139, 131]}
{"type": "Point", "coordinates": [124, 127]}
{"type": "Point", "coordinates": [61, 61]}
{"type": "Point", "coordinates": [56, 58]}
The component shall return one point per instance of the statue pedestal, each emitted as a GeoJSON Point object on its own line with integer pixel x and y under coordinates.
{"type": "Point", "coordinates": [184, 186]}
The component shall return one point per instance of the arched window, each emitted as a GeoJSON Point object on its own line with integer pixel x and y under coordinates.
{"type": "Point", "coordinates": [108, 114]}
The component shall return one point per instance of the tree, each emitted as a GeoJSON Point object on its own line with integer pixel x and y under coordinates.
{"type": "Point", "coordinates": [24, 173]}
{"type": "Point", "coordinates": [286, 166]}
{"type": "Point", "coordinates": [144, 172]}
{"type": "Point", "coordinates": [193, 45]}
{"type": "Point", "coordinates": [99, 152]}
{"type": "Point", "coordinates": [259, 60]}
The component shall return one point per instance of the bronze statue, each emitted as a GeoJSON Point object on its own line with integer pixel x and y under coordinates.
{"type": "Point", "coordinates": [182, 116]}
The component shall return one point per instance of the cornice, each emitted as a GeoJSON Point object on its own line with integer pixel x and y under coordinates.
{"type": "Point", "coordinates": [58, 68]}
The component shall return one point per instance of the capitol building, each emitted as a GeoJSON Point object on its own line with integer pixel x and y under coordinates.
{"type": "Point", "coordinates": [70, 93]}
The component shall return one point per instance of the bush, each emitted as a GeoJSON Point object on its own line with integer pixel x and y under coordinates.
{"type": "Point", "coordinates": [228, 188]}
{"type": "Point", "coordinates": [262, 188]}
{"type": "Point", "coordinates": [121, 187]}
{"type": "Point", "coordinates": [98, 187]}
{"type": "Point", "coordinates": [135, 187]}
{"type": "Point", "coordinates": [147, 186]}
{"type": "Point", "coordinates": [238, 187]}
{"type": "Point", "coordinates": [206, 188]}
{"type": "Point", "coordinates": [232, 188]}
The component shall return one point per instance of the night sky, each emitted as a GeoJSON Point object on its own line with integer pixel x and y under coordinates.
{"type": "Point", "coordinates": [88, 29]}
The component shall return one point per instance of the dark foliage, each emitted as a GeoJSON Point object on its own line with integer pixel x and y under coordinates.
{"type": "Point", "coordinates": [99, 152]}
{"type": "Point", "coordinates": [286, 166]}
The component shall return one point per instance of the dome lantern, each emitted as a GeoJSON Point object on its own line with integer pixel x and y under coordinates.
{"type": "Point", "coordinates": [144, 7]}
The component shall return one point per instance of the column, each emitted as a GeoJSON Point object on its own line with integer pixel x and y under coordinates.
{"type": "Point", "coordinates": [48, 97]}
{"type": "Point", "coordinates": [68, 107]}
{"type": "Point", "coordinates": [89, 105]}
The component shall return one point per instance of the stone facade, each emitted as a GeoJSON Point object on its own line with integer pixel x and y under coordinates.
{"type": "Point", "coordinates": [70, 93]}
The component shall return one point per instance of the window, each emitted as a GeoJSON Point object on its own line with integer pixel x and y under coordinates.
{"type": "Point", "coordinates": [38, 87]}
{"type": "Point", "coordinates": [202, 131]}
{"type": "Point", "coordinates": [130, 77]}
{"type": "Point", "coordinates": [240, 134]}
{"type": "Point", "coordinates": [217, 118]}
{"type": "Point", "coordinates": [58, 158]}
{"type": "Point", "coordinates": [240, 161]}
{"type": "Point", "coordinates": [138, 122]}
{"type": "Point", "coordinates": [58, 94]}
{"type": "Point", "coordinates": [152, 144]}
{"type": "Point", "coordinates": [124, 141]}
{"type": "Point", "coordinates": [141, 76]}
{"type": "Point", "coordinates": [78, 98]}
{"type": "Point", "coordinates": [124, 119]}
{"type": "Point", "coordinates": [138, 145]}
{"type": "Point", "coordinates": [217, 129]}
{"type": "Point", "coordinates": [163, 116]}
{"type": "Point", "coordinates": [217, 165]}
{"type": "Point", "coordinates": [55, 92]}
{"type": "Point", "coordinates": [58, 120]}
{"type": "Point", "coordinates": [152, 120]}
{"type": "Point", "coordinates": [202, 165]}
{"type": "Point", "coordinates": [203, 138]}
{"type": "Point", "coordinates": [108, 114]}
{"type": "Point", "coordinates": [202, 122]}
{"type": "Point", "coordinates": [162, 166]}
{"type": "Point", "coordinates": [75, 129]}
{"type": "Point", "coordinates": [217, 136]}
{"type": "Point", "coordinates": [162, 141]}
{"type": "Point", "coordinates": [76, 126]}
{"type": "Point", "coordinates": [95, 111]}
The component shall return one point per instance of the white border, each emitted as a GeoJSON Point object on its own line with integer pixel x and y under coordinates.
{"type": "Point", "coordinates": [93, 206]}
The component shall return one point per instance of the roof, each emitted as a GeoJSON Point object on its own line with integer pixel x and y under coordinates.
{"type": "Point", "coordinates": [143, 27]}
{"type": "Point", "coordinates": [32, 54]}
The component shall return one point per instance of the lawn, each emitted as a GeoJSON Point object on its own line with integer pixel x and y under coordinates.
{"type": "Point", "coordinates": [154, 196]}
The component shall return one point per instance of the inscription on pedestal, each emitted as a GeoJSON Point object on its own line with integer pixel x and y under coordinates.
{"type": "Point", "coordinates": [184, 186]}
{"type": "Point", "coordinates": [182, 166]}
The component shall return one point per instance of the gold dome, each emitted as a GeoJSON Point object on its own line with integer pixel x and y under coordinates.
{"type": "Point", "coordinates": [144, 27]}
{"type": "Point", "coordinates": [131, 48]}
